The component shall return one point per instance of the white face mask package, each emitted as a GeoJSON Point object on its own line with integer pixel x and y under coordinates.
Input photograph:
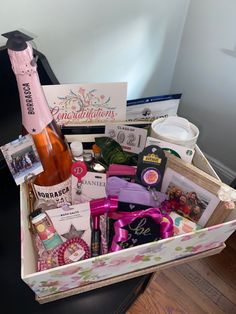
{"type": "Point", "coordinates": [151, 108]}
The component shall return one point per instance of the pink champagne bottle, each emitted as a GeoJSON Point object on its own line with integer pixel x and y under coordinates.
{"type": "Point", "coordinates": [54, 182]}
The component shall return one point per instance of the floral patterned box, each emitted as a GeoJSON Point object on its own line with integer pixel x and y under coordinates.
{"type": "Point", "coordinates": [85, 273]}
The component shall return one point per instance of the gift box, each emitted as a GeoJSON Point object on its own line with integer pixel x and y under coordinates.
{"type": "Point", "coordinates": [85, 275]}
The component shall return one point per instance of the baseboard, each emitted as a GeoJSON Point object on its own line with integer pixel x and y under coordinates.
{"type": "Point", "coordinates": [226, 174]}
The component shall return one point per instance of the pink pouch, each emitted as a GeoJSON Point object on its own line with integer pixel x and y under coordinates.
{"type": "Point", "coordinates": [115, 184]}
{"type": "Point", "coordinates": [133, 193]}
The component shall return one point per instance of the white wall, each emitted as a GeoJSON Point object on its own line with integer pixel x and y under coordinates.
{"type": "Point", "coordinates": [206, 74]}
{"type": "Point", "coordinates": [104, 40]}
{"type": "Point", "coordinates": [138, 41]}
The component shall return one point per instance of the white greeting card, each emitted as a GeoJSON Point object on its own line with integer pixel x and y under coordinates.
{"type": "Point", "coordinates": [73, 104]}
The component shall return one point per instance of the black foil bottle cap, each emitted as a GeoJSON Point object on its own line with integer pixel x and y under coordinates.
{"type": "Point", "coordinates": [16, 40]}
{"type": "Point", "coordinates": [35, 213]}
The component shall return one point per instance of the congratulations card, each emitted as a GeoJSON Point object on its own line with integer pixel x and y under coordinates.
{"type": "Point", "coordinates": [73, 104]}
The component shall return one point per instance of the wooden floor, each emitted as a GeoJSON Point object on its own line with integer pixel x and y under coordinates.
{"type": "Point", "coordinates": [204, 286]}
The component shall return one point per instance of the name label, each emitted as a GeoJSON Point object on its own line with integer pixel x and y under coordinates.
{"type": "Point", "coordinates": [28, 98]}
{"type": "Point", "coordinates": [60, 193]}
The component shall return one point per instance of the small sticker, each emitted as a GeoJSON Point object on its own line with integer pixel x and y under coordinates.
{"type": "Point", "coordinates": [22, 158]}
{"type": "Point", "coordinates": [76, 256]}
{"type": "Point", "coordinates": [79, 169]}
{"type": "Point", "coordinates": [152, 158]}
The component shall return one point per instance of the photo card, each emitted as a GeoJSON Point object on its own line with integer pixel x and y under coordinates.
{"type": "Point", "coordinates": [188, 198]}
{"type": "Point", "coordinates": [22, 158]}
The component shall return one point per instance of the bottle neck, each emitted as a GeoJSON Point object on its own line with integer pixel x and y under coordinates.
{"type": "Point", "coordinates": [36, 114]}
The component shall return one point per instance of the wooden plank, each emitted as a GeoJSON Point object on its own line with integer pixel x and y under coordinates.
{"type": "Point", "coordinates": [193, 287]}
{"type": "Point", "coordinates": [201, 162]}
{"type": "Point", "coordinates": [164, 297]}
{"type": "Point", "coordinates": [211, 275]}
{"type": "Point", "coordinates": [219, 215]}
{"type": "Point", "coordinates": [117, 279]}
{"type": "Point", "coordinates": [224, 265]}
{"type": "Point", "coordinates": [210, 292]}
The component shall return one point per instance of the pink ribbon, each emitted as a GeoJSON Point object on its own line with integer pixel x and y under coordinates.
{"type": "Point", "coordinates": [103, 205]}
{"type": "Point", "coordinates": [125, 218]}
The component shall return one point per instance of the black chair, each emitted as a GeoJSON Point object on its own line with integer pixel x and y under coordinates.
{"type": "Point", "coordinates": [10, 126]}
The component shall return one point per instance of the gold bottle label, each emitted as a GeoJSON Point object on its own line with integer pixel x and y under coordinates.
{"type": "Point", "coordinates": [60, 193]}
